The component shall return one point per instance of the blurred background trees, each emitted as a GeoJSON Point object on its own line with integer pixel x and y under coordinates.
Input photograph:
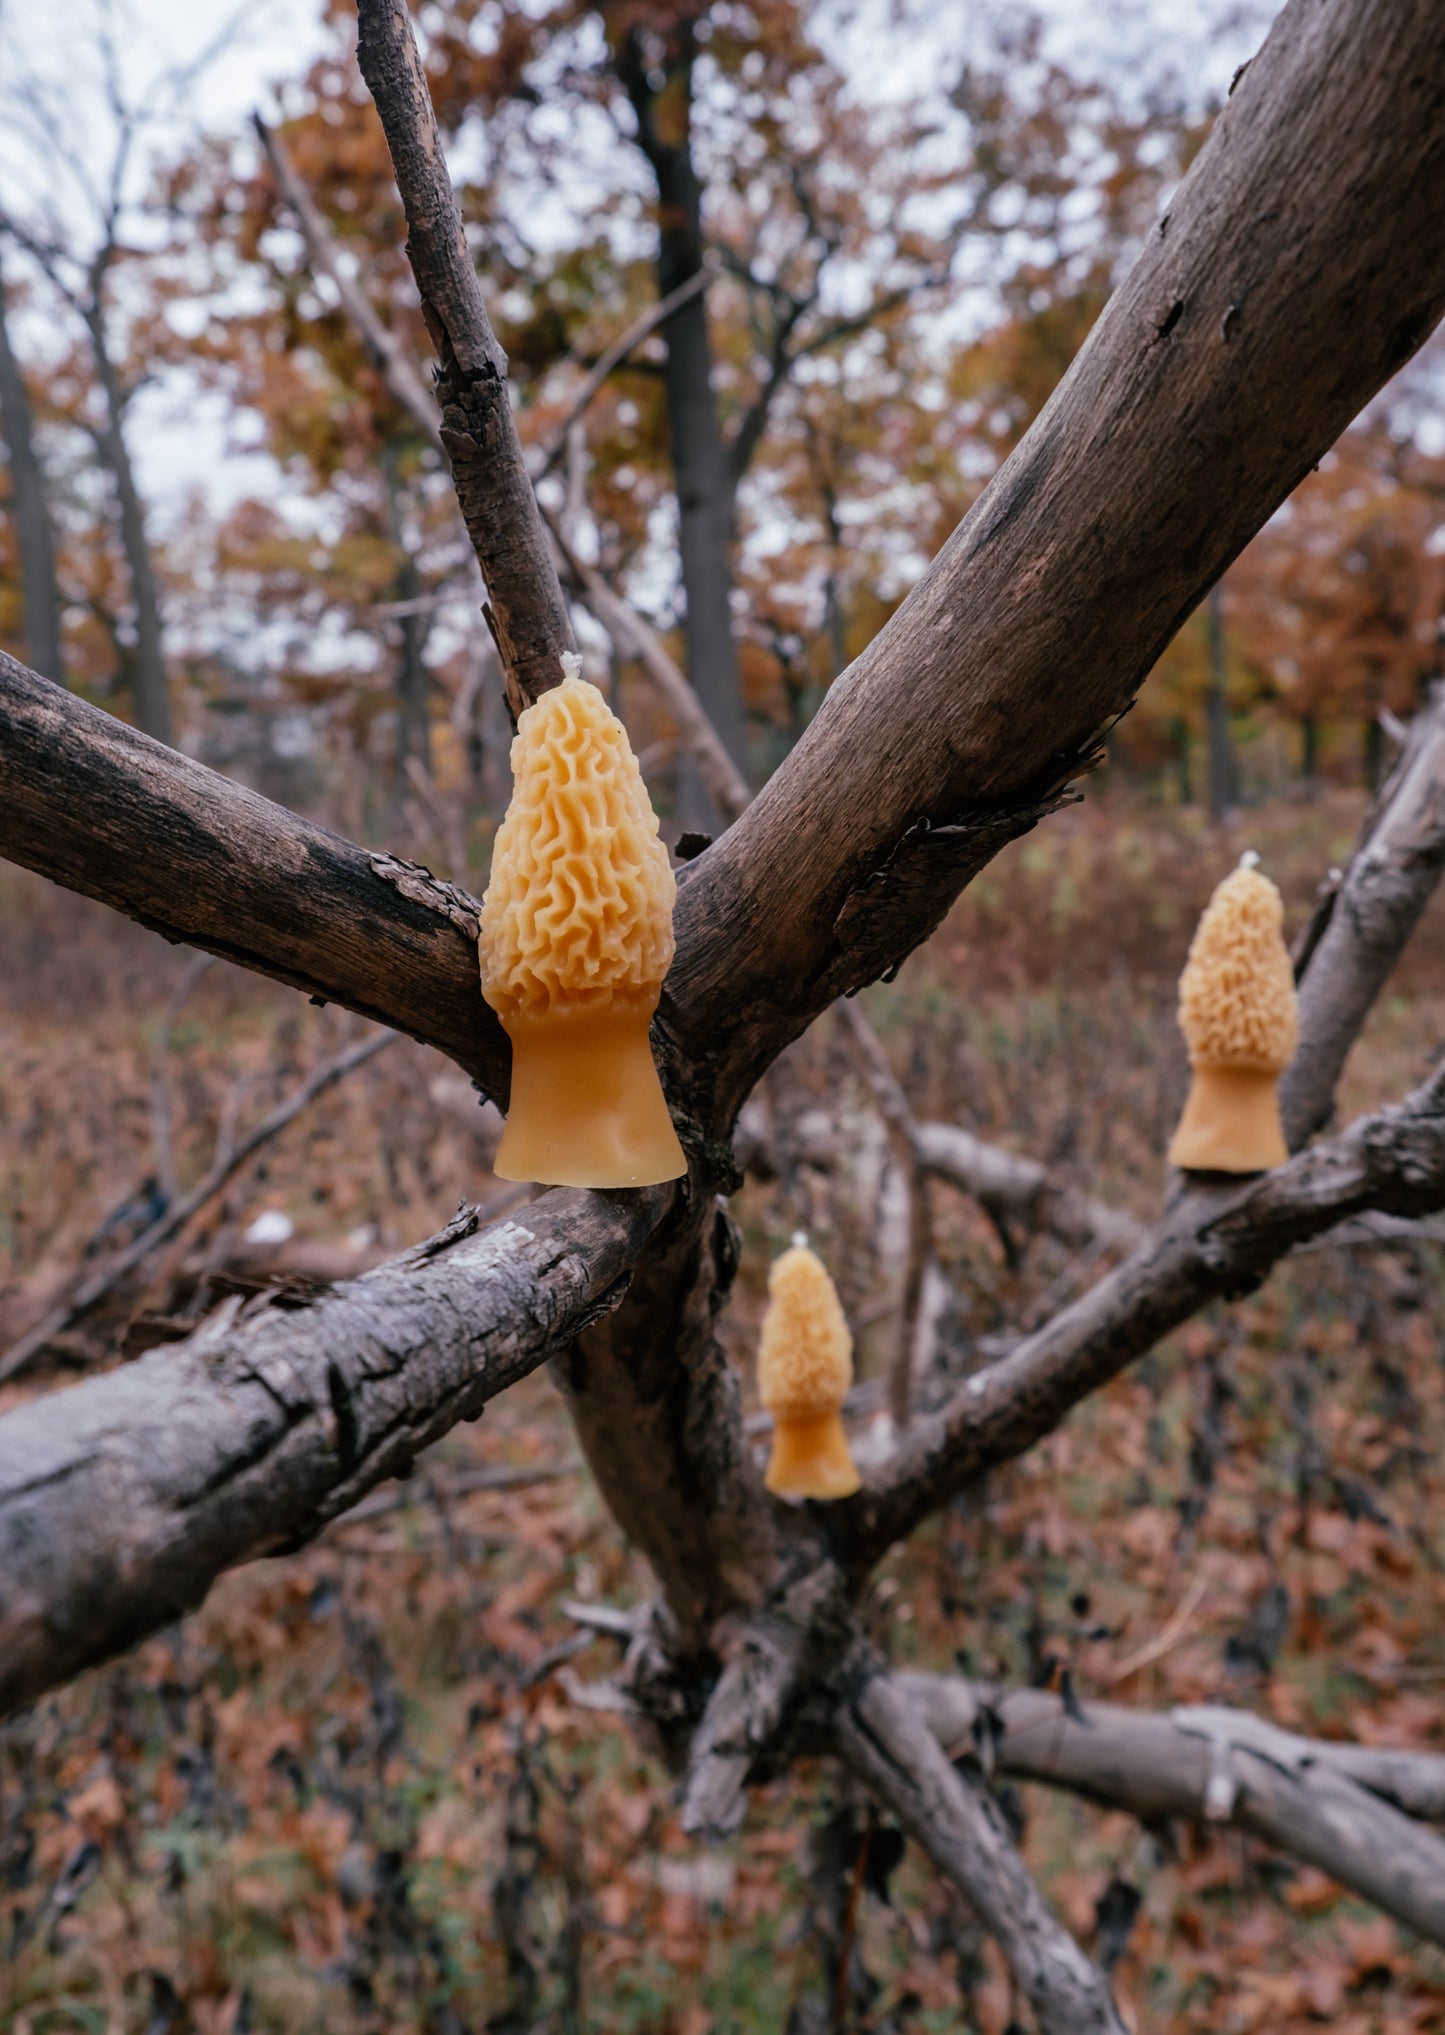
{"type": "Point", "coordinates": [878, 285]}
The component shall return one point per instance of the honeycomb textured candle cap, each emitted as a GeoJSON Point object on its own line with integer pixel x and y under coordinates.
{"type": "Point", "coordinates": [1237, 1005]}
{"type": "Point", "coordinates": [805, 1356]}
{"type": "Point", "coordinates": [578, 908]}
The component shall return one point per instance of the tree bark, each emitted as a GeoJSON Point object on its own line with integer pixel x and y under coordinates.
{"type": "Point", "coordinates": [528, 614]}
{"type": "Point", "coordinates": [122, 1499]}
{"type": "Point", "coordinates": [1337, 1806]}
{"type": "Point", "coordinates": [700, 469]}
{"type": "Point", "coordinates": [34, 536]}
{"type": "Point", "coordinates": [962, 1829]}
{"type": "Point", "coordinates": [99, 807]}
{"type": "Point", "coordinates": [149, 692]}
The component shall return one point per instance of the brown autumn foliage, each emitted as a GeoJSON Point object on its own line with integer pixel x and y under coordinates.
{"type": "Point", "coordinates": [360, 1789]}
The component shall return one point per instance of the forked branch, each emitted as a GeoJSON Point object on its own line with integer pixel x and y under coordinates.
{"type": "Point", "coordinates": [1347, 1809]}
{"type": "Point", "coordinates": [961, 1827]}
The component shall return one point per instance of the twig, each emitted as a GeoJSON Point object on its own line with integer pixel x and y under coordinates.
{"type": "Point", "coordinates": [1163, 1642]}
{"type": "Point", "coordinates": [528, 613]}
{"type": "Point", "coordinates": [631, 336]}
{"type": "Point", "coordinates": [226, 1165]}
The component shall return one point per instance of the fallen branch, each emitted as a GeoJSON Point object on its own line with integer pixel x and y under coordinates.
{"type": "Point", "coordinates": [1344, 1808]}
{"type": "Point", "coordinates": [123, 1498]}
{"type": "Point", "coordinates": [955, 1819]}
{"type": "Point", "coordinates": [95, 1285]}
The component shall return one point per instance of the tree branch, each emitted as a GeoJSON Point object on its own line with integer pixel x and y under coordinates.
{"type": "Point", "coordinates": [1367, 920]}
{"type": "Point", "coordinates": [123, 1498]}
{"type": "Point", "coordinates": [648, 322]}
{"type": "Point", "coordinates": [96, 805]}
{"type": "Point", "coordinates": [960, 1826]}
{"type": "Point", "coordinates": [1337, 1806]}
{"type": "Point", "coordinates": [398, 371]}
{"type": "Point", "coordinates": [1214, 1243]}
{"type": "Point", "coordinates": [528, 612]}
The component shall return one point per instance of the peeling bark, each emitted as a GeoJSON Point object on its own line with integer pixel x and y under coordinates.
{"type": "Point", "coordinates": [123, 1498]}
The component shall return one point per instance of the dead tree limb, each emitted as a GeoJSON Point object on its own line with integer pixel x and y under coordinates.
{"type": "Point", "coordinates": [100, 807]}
{"type": "Point", "coordinates": [1367, 919]}
{"type": "Point", "coordinates": [611, 358]}
{"type": "Point", "coordinates": [1212, 1244]}
{"type": "Point", "coordinates": [123, 1498]}
{"type": "Point", "coordinates": [93, 1288]}
{"type": "Point", "coordinates": [1344, 1808]}
{"type": "Point", "coordinates": [528, 613]}
{"type": "Point", "coordinates": [960, 1826]}
{"type": "Point", "coordinates": [892, 1105]}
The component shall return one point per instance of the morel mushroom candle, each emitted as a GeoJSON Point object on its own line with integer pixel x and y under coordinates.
{"type": "Point", "coordinates": [1238, 1013]}
{"type": "Point", "coordinates": [805, 1366]}
{"type": "Point", "coordinates": [576, 938]}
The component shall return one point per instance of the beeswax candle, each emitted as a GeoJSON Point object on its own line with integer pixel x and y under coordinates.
{"type": "Point", "coordinates": [1239, 1016]}
{"type": "Point", "coordinates": [576, 937]}
{"type": "Point", "coordinates": [805, 1366]}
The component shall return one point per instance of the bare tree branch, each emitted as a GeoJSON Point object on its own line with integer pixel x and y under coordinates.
{"type": "Point", "coordinates": [960, 1826]}
{"type": "Point", "coordinates": [1367, 919]}
{"type": "Point", "coordinates": [528, 613]}
{"type": "Point", "coordinates": [95, 1285]}
{"type": "Point", "coordinates": [1337, 1806]}
{"type": "Point", "coordinates": [99, 807]}
{"type": "Point", "coordinates": [123, 1498]}
{"type": "Point", "coordinates": [398, 370]}
{"type": "Point", "coordinates": [612, 357]}
{"type": "Point", "coordinates": [1214, 1243]}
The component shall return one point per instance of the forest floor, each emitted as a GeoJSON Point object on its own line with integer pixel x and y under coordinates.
{"type": "Point", "coordinates": [358, 1791]}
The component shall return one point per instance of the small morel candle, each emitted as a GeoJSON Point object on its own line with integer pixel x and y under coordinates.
{"type": "Point", "coordinates": [1240, 1019]}
{"type": "Point", "coordinates": [805, 1366]}
{"type": "Point", "coordinates": [576, 937]}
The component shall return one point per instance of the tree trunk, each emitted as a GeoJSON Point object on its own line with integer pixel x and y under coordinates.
{"type": "Point", "coordinates": [151, 701]}
{"type": "Point", "coordinates": [1223, 781]}
{"type": "Point", "coordinates": [35, 540]}
{"type": "Point", "coordinates": [1310, 751]}
{"type": "Point", "coordinates": [700, 472]}
{"type": "Point", "coordinates": [414, 719]}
